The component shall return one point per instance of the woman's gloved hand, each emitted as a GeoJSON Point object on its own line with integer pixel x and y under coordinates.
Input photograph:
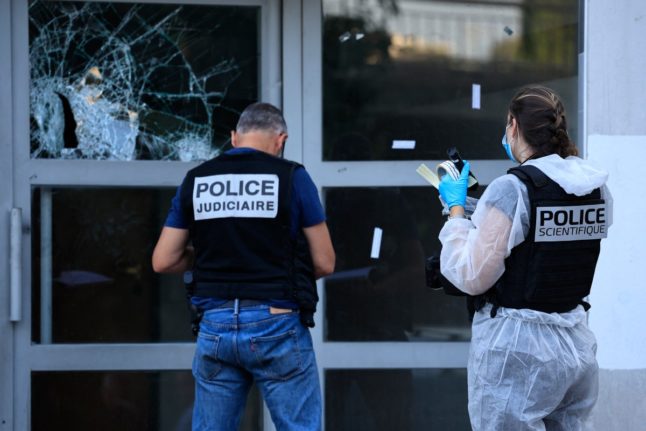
{"type": "Point", "coordinates": [454, 192]}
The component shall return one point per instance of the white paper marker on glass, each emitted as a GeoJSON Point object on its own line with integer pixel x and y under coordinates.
{"type": "Point", "coordinates": [403, 145]}
{"type": "Point", "coordinates": [376, 243]}
{"type": "Point", "coordinates": [475, 100]}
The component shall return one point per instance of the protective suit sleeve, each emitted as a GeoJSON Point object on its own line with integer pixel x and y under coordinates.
{"type": "Point", "coordinates": [474, 252]}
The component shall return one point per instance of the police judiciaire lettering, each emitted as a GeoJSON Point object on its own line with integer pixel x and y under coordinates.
{"type": "Point", "coordinates": [240, 193]}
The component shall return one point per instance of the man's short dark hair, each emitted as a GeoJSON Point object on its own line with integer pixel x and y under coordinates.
{"type": "Point", "coordinates": [261, 117]}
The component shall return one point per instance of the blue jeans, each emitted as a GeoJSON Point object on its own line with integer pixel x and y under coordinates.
{"type": "Point", "coordinates": [274, 350]}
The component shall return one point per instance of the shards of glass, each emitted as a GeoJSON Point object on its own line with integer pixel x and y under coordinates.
{"type": "Point", "coordinates": [113, 82]}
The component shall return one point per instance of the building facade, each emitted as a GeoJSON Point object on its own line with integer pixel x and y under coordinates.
{"type": "Point", "coordinates": [105, 105]}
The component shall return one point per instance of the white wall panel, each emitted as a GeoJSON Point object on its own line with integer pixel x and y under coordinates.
{"type": "Point", "coordinates": [618, 298]}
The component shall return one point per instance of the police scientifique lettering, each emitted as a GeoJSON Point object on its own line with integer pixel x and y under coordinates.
{"type": "Point", "coordinates": [584, 221]}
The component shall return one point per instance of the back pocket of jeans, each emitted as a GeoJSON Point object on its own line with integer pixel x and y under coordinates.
{"type": "Point", "coordinates": [278, 356]}
{"type": "Point", "coordinates": [206, 365]}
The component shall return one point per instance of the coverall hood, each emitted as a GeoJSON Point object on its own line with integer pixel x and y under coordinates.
{"type": "Point", "coordinates": [575, 175]}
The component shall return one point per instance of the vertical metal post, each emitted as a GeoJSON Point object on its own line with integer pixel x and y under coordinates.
{"type": "Point", "coordinates": [581, 137]}
{"type": "Point", "coordinates": [45, 265]}
{"type": "Point", "coordinates": [15, 260]}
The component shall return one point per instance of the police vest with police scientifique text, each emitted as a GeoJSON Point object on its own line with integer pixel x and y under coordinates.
{"type": "Point", "coordinates": [552, 270]}
{"type": "Point", "coordinates": [240, 207]}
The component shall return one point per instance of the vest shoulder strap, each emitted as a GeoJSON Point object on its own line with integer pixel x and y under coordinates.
{"type": "Point", "coordinates": [530, 173]}
{"type": "Point", "coordinates": [537, 183]}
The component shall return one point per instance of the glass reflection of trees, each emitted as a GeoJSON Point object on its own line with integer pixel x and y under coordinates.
{"type": "Point", "coordinates": [404, 70]}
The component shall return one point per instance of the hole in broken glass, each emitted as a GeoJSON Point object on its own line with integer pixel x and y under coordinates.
{"type": "Point", "coordinates": [115, 81]}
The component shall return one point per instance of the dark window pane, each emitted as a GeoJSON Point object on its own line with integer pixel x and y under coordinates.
{"type": "Point", "coordinates": [405, 70]}
{"type": "Point", "coordinates": [385, 298]}
{"type": "Point", "coordinates": [96, 256]}
{"type": "Point", "coordinates": [114, 400]}
{"type": "Point", "coordinates": [387, 400]}
{"type": "Point", "coordinates": [122, 81]}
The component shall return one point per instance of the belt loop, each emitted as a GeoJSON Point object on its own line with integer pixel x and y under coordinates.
{"type": "Point", "coordinates": [236, 306]}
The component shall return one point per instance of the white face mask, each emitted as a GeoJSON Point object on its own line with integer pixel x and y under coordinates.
{"type": "Point", "coordinates": [507, 147]}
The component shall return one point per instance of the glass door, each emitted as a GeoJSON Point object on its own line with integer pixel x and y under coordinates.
{"type": "Point", "coordinates": [391, 85]}
{"type": "Point", "coordinates": [113, 103]}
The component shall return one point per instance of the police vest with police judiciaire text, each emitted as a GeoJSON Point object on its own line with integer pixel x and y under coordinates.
{"type": "Point", "coordinates": [240, 210]}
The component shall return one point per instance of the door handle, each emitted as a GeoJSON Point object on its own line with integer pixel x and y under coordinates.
{"type": "Point", "coordinates": [15, 264]}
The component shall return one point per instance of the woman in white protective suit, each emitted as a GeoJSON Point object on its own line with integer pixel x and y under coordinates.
{"type": "Point", "coordinates": [528, 255]}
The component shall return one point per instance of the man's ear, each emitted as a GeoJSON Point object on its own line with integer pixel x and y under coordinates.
{"type": "Point", "coordinates": [234, 139]}
{"type": "Point", "coordinates": [280, 143]}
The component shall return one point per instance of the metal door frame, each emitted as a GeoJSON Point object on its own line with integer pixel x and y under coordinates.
{"type": "Point", "coordinates": [28, 173]}
{"type": "Point", "coordinates": [7, 357]}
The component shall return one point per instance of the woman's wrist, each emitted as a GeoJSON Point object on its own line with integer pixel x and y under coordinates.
{"type": "Point", "coordinates": [456, 211]}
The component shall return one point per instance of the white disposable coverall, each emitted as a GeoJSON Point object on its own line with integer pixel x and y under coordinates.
{"type": "Point", "coordinates": [527, 370]}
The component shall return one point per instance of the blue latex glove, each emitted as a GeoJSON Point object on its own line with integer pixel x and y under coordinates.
{"type": "Point", "coordinates": [454, 192]}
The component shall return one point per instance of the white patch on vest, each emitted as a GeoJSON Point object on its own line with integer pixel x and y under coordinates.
{"type": "Point", "coordinates": [235, 195]}
{"type": "Point", "coordinates": [570, 223]}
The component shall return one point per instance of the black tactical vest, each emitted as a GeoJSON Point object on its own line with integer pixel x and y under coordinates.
{"type": "Point", "coordinates": [552, 270]}
{"type": "Point", "coordinates": [239, 207]}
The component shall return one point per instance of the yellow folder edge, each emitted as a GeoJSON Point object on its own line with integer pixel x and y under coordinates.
{"type": "Point", "coordinates": [428, 175]}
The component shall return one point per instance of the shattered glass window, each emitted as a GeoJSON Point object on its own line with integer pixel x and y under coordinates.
{"type": "Point", "coordinates": [118, 81]}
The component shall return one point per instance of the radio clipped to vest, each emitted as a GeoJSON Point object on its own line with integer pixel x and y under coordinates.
{"type": "Point", "coordinates": [435, 280]}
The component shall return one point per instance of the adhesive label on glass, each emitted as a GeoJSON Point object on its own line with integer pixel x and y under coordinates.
{"type": "Point", "coordinates": [475, 99]}
{"type": "Point", "coordinates": [235, 195]}
{"type": "Point", "coordinates": [570, 223]}
{"type": "Point", "coordinates": [402, 144]}
{"type": "Point", "coordinates": [376, 243]}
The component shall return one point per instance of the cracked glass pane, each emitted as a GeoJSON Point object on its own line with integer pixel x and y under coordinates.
{"type": "Point", "coordinates": [118, 81]}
